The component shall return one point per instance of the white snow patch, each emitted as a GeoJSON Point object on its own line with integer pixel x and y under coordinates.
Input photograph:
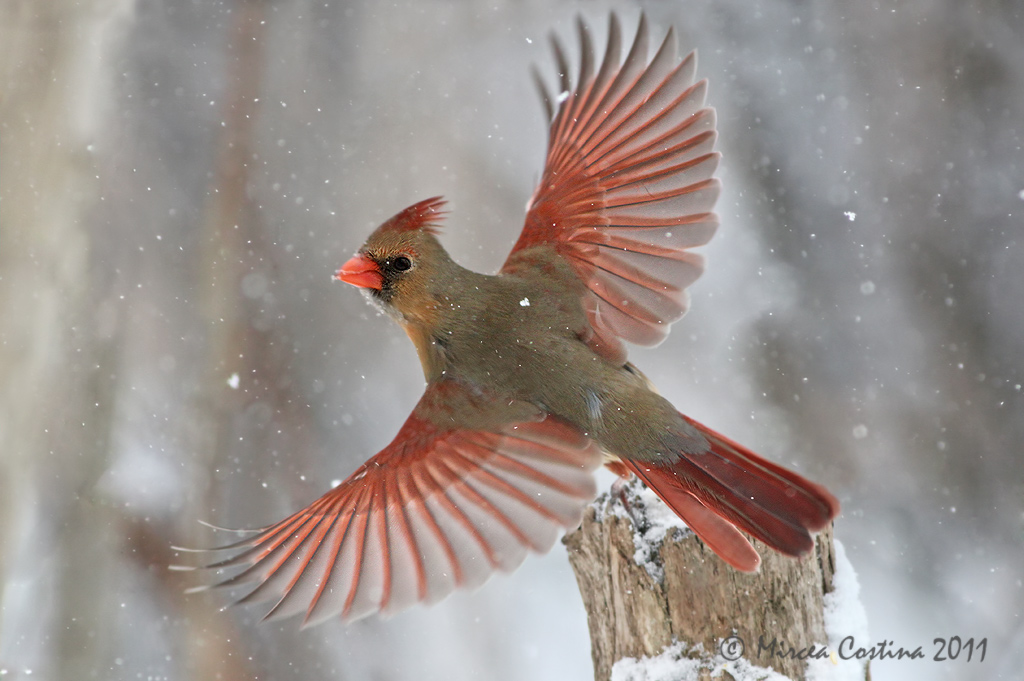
{"type": "Point", "coordinates": [844, 616]}
{"type": "Point", "coordinates": [233, 381]}
{"type": "Point", "coordinates": [669, 666]}
{"type": "Point", "coordinates": [652, 520]}
{"type": "Point", "coordinates": [674, 665]}
{"type": "Point", "coordinates": [850, 215]}
{"type": "Point", "coordinates": [525, 302]}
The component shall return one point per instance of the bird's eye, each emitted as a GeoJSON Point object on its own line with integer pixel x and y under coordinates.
{"type": "Point", "coordinates": [401, 263]}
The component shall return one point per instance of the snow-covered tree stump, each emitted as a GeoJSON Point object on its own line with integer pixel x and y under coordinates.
{"type": "Point", "coordinates": [650, 586]}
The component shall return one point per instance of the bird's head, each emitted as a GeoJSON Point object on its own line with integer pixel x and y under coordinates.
{"type": "Point", "coordinates": [401, 262]}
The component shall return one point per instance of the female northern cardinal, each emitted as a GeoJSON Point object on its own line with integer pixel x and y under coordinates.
{"type": "Point", "coordinates": [528, 387]}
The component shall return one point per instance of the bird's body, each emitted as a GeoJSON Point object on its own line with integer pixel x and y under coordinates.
{"type": "Point", "coordinates": [518, 336]}
{"type": "Point", "coordinates": [528, 384]}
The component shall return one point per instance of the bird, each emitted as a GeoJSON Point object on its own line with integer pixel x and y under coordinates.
{"type": "Point", "coordinates": [529, 388]}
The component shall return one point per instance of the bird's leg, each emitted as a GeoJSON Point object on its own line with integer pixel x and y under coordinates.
{"type": "Point", "coordinates": [619, 486]}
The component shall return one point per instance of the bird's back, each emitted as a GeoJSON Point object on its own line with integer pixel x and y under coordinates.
{"type": "Point", "coordinates": [524, 337]}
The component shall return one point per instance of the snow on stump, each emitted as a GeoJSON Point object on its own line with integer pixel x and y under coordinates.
{"type": "Point", "coordinates": [653, 590]}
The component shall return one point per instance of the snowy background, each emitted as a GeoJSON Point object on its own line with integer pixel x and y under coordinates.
{"type": "Point", "coordinates": [179, 179]}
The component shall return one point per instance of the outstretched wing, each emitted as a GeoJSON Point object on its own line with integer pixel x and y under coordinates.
{"type": "Point", "coordinates": [627, 188]}
{"type": "Point", "coordinates": [443, 506]}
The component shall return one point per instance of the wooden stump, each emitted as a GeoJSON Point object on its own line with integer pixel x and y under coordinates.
{"type": "Point", "coordinates": [642, 596]}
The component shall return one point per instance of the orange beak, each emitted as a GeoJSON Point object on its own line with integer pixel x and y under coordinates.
{"type": "Point", "coordinates": [362, 272]}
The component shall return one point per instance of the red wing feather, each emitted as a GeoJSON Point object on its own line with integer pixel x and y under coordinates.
{"type": "Point", "coordinates": [437, 509]}
{"type": "Point", "coordinates": [627, 187]}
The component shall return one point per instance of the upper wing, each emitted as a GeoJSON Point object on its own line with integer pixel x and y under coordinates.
{"type": "Point", "coordinates": [440, 507]}
{"type": "Point", "coordinates": [627, 187]}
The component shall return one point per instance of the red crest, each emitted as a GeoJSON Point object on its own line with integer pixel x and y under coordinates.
{"type": "Point", "coordinates": [425, 215]}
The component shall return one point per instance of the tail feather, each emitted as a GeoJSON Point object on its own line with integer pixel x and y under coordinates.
{"type": "Point", "coordinates": [810, 502]}
{"type": "Point", "coordinates": [730, 487]}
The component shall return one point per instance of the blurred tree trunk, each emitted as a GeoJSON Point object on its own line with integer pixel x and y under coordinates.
{"type": "Point", "coordinates": [698, 600]}
{"type": "Point", "coordinates": [245, 386]}
{"type": "Point", "coordinates": [58, 343]}
{"type": "Point", "coordinates": [228, 247]}
{"type": "Point", "coordinates": [61, 338]}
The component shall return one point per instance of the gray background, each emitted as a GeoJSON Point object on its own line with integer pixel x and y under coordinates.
{"type": "Point", "coordinates": [178, 181]}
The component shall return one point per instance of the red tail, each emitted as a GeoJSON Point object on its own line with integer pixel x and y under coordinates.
{"type": "Point", "coordinates": [730, 487]}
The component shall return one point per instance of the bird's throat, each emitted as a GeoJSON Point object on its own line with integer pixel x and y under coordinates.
{"type": "Point", "coordinates": [431, 351]}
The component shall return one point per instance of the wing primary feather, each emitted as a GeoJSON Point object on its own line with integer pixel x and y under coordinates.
{"type": "Point", "coordinates": [672, 108]}
{"type": "Point", "coordinates": [609, 65]}
{"type": "Point", "coordinates": [562, 154]}
{"type": "Point", "coordinates": [649, 81]}
{"type": "Point", "coordinates": [564, 78]}
{"type": "Point", "coordinates": [382, 540]}
{"type": "Point", "coordinates": [373, 560]}
{"type": "Point", "coordinates": [595, 90]}
{"type": "Point", "coordinates": [699, 231]}
{"type": "Point", "coordinates": [456, 513]}
{"type": "Point", "coordinates": [256, 544]}
{"type": "Point", "coordinates": [493, 511]}
{"type": "Point", "coordinates": [586, 52]}
{"type": "Point", "coordinates": [419, 501]}
{"type": "Point", "coordinates": [565, 89]}
{"type": "Point", "coordinates": [696, 198]}
{"type": "Point", "coordinates": [542, 91]}
{"type": "Point", "coordinates": [696, 136]}
{"type": "Point", "coordinates": [314, 570]}
{"type": "Point", "coordinates": [586, 70]}
{"type": "Point", "coordinates": [625, 80]}
{"type": "Point", "coordinates": [606, 290]}
{"type": "Point", "coordinates": [402, 555]}
{"type": "Point", "coordinates": [500, 485]}
{"type": "Point", "coordinates": [651, 195]}
{"type": "Point", "coordinates": [629, 131]}
{"type": "Point", "coordinates": [315, 567]}
{"type": "Point", "coordinates": [404, 479]}
{"type": "Point", "coordinates": [360, 540]}
{"type": "Point", "coordinates": [338, 537]}
{"type": "Point", "coordinates": [654, 168]}
{"type": "Point", "coordinates": [522, 470]}
{"type": "Point", "coordinates": [628, 74]}
{"type": "Point", "coordinates": [469, 470]}
{"type": "Point", "coordinates": [275, 576]}
{"type": "Point", "coordinates": [571, 98]}
{"type": "Point", "coordinates": [277, 552]}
